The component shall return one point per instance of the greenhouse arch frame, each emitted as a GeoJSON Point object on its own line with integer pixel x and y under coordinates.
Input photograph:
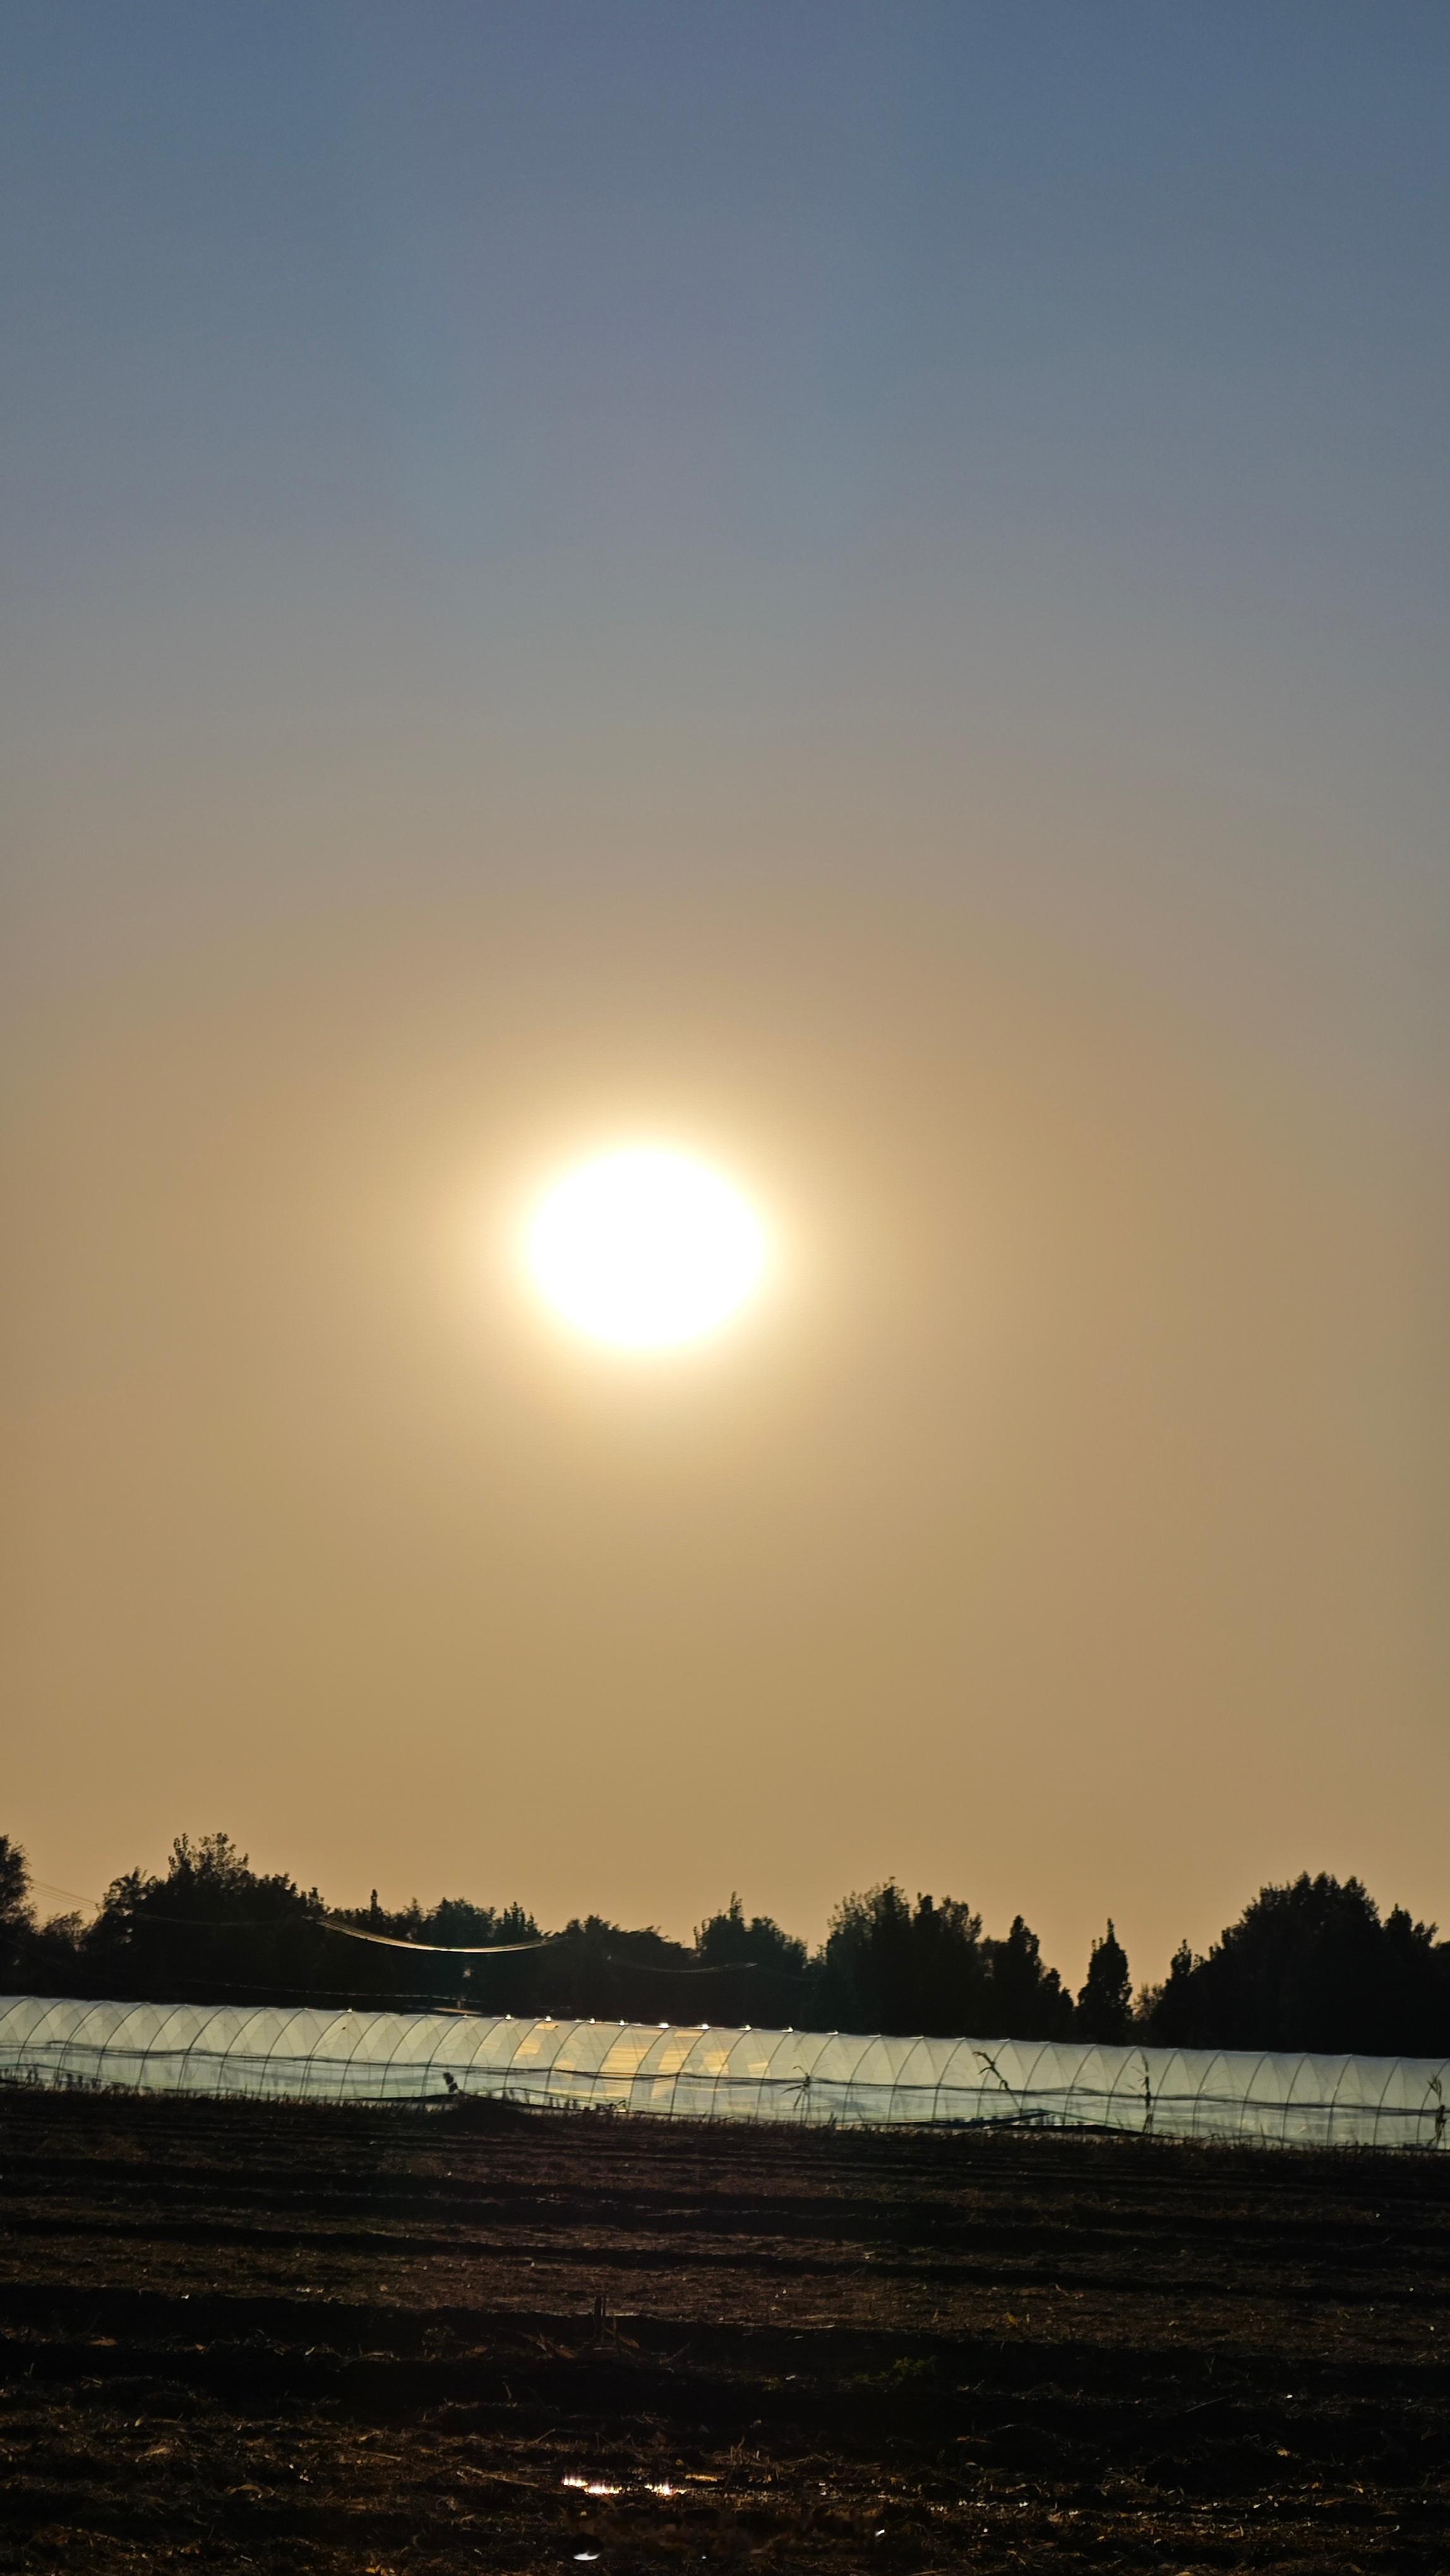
{"type": "Point", "coordinates": [670, 2070]}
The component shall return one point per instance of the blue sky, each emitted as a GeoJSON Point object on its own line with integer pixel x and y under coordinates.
{"type": "Point", "coordinates": [1053, 387]}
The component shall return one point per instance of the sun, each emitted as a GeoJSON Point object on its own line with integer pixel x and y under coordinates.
{"type": "Point", "coordinates": [645, 1248]}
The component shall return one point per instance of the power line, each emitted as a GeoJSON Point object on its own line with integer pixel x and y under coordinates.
{"type": "Point", "coordinates": [138, 1921]}
{"type": "Point", "coordinates": [447, 1949]}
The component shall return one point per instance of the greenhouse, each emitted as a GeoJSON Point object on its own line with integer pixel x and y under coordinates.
{"type": "Point", "coordinates": [699, 2073]}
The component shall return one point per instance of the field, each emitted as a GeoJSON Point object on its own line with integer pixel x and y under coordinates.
{"type": "Point", "coordinates": [272, 2338]}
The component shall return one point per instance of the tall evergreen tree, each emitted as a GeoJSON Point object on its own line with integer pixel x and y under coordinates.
{"type": "Point", "coordinates": [1105, 2001]}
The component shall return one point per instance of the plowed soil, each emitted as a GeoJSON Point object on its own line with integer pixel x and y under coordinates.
{"type": "Point", "coordinates": [271, 2338]}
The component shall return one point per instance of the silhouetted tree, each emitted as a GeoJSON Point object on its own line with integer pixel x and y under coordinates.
{"type": "Point", "coordinates": [53, 1957]}
{"type": "Point", "coordinates": [1028, 1999]}
{"type": "Point", "coordinates": [1311, 1966]}
{"type": "Point", "coordinates": [1151, 2001]}
{"type": "Point", "coordinates": [1105, 2001]}
{"type": "Point", "coordinates": [211, 1927]}
{"type": "Point", "coordinates": [455, 1923]}
{"type": "Point", "coordinates": [891, 1967]}
{"type": "Point", "coordinates": [35, 1958]}
{"type": "Point", "coordinates": [758, 1973]}
{"type": "Point", "coordinates": [15, 1916]}
{"type": "Point", "coordinates": [600, 1972]}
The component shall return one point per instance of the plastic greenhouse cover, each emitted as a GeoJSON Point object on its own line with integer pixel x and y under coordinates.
{"type": "Point", "coordinates": [700, 2073]}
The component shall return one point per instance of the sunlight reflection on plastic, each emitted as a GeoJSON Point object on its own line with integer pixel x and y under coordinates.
{"type": "Point", "coordinates": [601, 2487]}
{"type": "Point", "coordinates": [645, 1248]}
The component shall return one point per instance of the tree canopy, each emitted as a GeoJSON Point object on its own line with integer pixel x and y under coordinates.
{"type": "Point", "coordinates": [1309, 1966]}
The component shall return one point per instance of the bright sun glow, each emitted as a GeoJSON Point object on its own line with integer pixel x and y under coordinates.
{"type": "Point", "coordinates": [645, 1248]}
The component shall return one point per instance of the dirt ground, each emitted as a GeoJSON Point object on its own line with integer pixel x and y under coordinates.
{"type": "Point", "coordinates": [383, 2342]}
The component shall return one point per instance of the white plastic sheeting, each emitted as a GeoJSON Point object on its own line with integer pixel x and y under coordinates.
{"type": "Point", "coordinates": [699, 2073]}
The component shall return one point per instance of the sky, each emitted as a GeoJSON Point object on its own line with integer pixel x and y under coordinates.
{"type": "Point", "coordinates": [859, 588]}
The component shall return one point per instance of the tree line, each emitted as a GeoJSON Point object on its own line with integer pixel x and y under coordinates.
{"type": "Point", "coordinates": [1312, 1965]}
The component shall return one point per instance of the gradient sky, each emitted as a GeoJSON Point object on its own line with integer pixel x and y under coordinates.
{"type": "Point", "coordinates": [864, 587]}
